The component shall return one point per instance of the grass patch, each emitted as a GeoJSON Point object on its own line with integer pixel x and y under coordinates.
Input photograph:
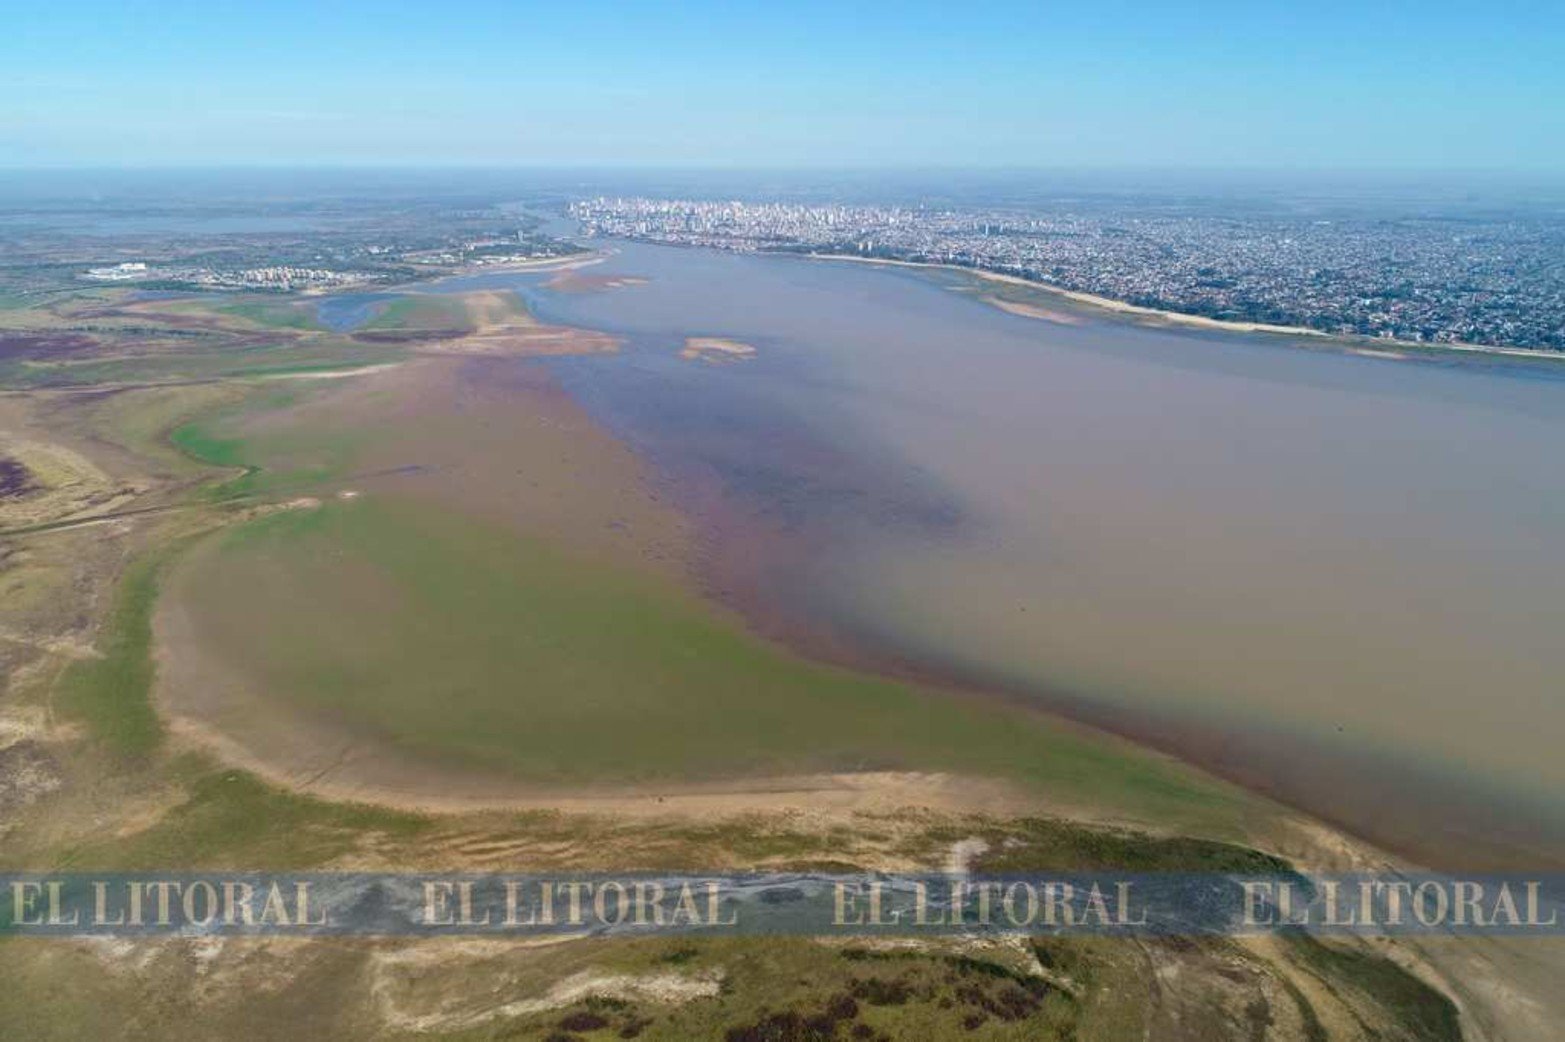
{"type": "Point", "coordinates": [230, 819]}
{"type": "Point", "coordinates": [1427, 1014]}
{"type": "Point", "coordinates": [274, 314]}
{"type": "Point", "coordinates": [111, 695]}
{"type": "Point", "coordinates": [424, 312]}
{"type": "Point", "coordinates": [142, 420]}
{"type": "Point", "coordinates": [1041, 843]}
{"type": "Point", "coordinates": [292, 458]}
{"type": "Point", "coordinates": [188, 366]}
{"type": "Point", "coordinates": [196, 440]}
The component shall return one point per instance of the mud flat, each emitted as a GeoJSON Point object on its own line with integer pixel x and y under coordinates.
{"type": "Point", "coordinates": [577, 281]}
{"type": "Point", "coordinates": [510, 615]}
{"type": "Point", "coordinates": [483, 322]}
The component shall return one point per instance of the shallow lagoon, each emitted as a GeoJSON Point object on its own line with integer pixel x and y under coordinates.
{"type": "Point", "coordinates": [1337, 578]}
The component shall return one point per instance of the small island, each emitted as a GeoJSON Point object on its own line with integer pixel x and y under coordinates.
{"type": "Point", "coordinates": [715, 350]}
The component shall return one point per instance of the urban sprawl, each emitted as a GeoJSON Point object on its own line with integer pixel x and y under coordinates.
{"type": "Point", "coordinates": [1497, 281]}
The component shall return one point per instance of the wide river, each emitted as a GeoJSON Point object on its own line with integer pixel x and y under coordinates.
{"type": "Point", "coordinates": [1336, 578]}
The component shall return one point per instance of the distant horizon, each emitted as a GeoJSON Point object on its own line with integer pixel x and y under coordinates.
{"type": "Point", "coordinates": [1177, 176]}
{"type": "Point", "coordinates": [1404, 191]}
{"type": "Point", "coordinates": [205, 166]}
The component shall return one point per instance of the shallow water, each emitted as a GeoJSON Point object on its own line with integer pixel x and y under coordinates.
{"type": "Point", "coordinates": [1336, 578]}
{"type": "Point", "coordinates": [345, 311]}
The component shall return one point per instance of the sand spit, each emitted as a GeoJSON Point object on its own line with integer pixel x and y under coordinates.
{"type": "Point", "coordinates": [332, 374]}
{"type": "Point", "coordinates": [715, 350]}
{"type": "Point", "coordinates": [572, 280]}
{"type": "Point", "coordinates": [1033, 311]}
{"type": "Point", "coordinates": [501, 327]}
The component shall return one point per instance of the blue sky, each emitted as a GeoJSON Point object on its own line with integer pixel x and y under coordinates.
{"type": "Point", "coordinates": [1320, 85]}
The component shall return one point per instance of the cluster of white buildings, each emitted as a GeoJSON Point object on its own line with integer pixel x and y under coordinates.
{"type": "Point", "coordinates": [281, 277]}
{"type": "Point", "coordinates": [127, 272]}
{"type": "Point", "coordinates": [1490, 278]}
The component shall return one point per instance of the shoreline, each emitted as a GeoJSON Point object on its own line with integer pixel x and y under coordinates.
{"type": "Point", "coordinates": [839, 796]}
{"type": "Point", "coordinates": [1362, 345]}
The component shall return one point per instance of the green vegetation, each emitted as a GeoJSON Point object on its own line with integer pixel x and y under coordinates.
{"type": "Point", "coordinates": [799, 990]}
{"type": "Point", "coordinates": [316, 355]}
{"type": "Point", "coordinates": [276, 314]}
{"type": "Point", "coordinates": [231, 819]}
{"type": "Point", "coordinates": [228, 818]}
{"type": "Point", "coordinates": [1049, 844]}
{"type": "Point", "coordinates": [461, 642]}
{"type": "Point", "coordinates": [294, 458]}
{"type": "Point", "coordinates": [1082, 989]}
{"type": "Point", "coordinates": [142, 420]}
{"type": "Point", "coordinates": [424, 312]}
{"type": "Point", "coordinates": [433, 313]}
{"type": "Point", "coordinates": [1426, 1013]}
{"type": "Point", "coordinates": [196, 440]}
{"type": "Point", "coordinates": [735, 990]}
{"type": "Point", "coordinates": [110, 694]}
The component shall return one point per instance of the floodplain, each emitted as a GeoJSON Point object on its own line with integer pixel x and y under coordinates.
{"type": "Point", "coordinates": [386, 596]}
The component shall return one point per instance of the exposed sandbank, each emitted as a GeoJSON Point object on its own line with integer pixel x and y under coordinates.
{"type": "Point", "coordinates": [1033, 311]}
{"type": "Point", "coordinates": [716, 350]}
{"type": "Point", "coordinates": [572, 280]}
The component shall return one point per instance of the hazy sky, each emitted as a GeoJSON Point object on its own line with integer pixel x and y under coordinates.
{"type": "Point", "coordinates": [989, 83]}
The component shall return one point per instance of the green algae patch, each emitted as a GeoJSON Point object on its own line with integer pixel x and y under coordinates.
{"type": "Point", "coordinates": [461, 643]}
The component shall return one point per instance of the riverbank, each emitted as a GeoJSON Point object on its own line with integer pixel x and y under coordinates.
{"type": "Point", "coordinates": [1372, 346]}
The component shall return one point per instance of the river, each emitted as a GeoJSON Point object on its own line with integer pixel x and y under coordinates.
{"type": "Point", "coordinates": [1335, 578]}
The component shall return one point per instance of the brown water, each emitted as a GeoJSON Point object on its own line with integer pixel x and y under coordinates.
{"type": "Point", "coordinates": [1336, 578]}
